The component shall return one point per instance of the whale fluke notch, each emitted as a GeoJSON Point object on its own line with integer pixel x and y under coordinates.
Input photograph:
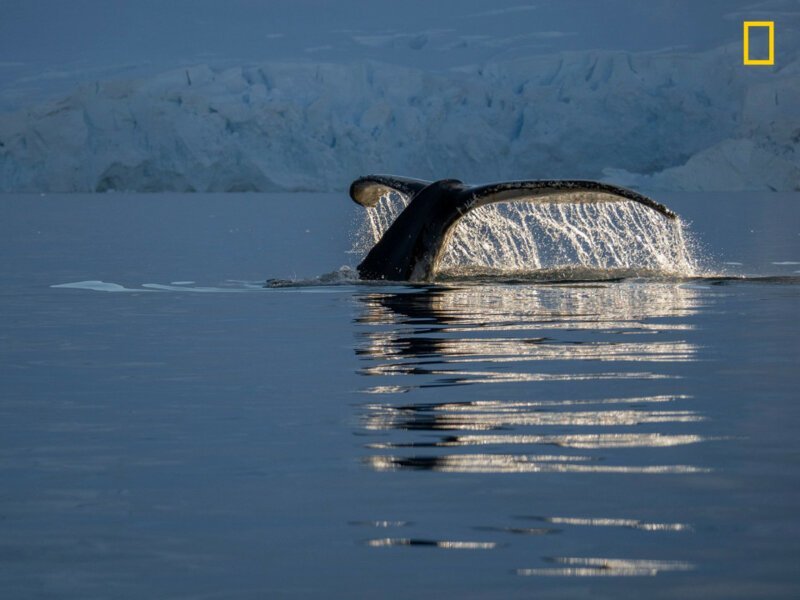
{"type": "Point", "coordinates": [412, 246]}
{"type": "Point", "coordinates": [366, 191]}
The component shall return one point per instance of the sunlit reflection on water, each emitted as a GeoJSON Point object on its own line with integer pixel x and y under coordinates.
{"type": "Point", "coordinates": [607, 567]}
{"type": "Point", "coordinates": [536, 350]}
{"type": "Point", "coordinates": [387, 417]}
{"type": "Point", "coordinates": [443, 544]}
{"type": "Point", "coordinates": [382, 524]}
{"type": "Point", "coordinates": [603, 522]}
{"type": "Point", "coordinates": [455, 336]}
{"type": "Point", "coordinates": [591, 441]}
{"type": "Point", "coordinates": [500, 350]}
{"type": "Point", "coordinates": [599, 306]}
{"type": "Point", "coordinates": [515, 463]}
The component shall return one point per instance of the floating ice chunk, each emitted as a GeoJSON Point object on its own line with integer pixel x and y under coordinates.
{"type": "Point", "coordinates": [97, 286]}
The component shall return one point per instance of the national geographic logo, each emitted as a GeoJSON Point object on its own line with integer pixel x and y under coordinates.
{"type": "Point", "coordinates": [759, 26]}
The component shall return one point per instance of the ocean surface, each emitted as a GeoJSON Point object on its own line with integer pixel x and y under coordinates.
{"type": "Point", "coordinates": [170, 427]}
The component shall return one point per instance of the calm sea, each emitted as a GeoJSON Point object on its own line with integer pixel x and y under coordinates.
{"type": "Point", "coordinates": [171, 428]}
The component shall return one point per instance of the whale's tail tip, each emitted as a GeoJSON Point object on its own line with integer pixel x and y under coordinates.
{"type": "Point", "coordinates": [369, 189]}
{"type": "Point", "coordinates": [366, 194]}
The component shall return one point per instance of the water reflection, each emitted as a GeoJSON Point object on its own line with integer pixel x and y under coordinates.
{"type": "Point", "coordinates": [382, 524]}
{"type": "Point", "coordinates": [382, 416]}
{"type": "Point", "coordinates": [443, 544]}
{"type": "Point", "coordinates": [607, 567]}
{"type": "Point", "coordinates": [604, 522]}
{"type": "Point", "coordinates": [445, 336]}
{"type": "Point", "coordinates": [515, 463]}
{"type": "Point", "coordinates": [586, 371]}
{"type": "Point", "coordinates": [483, 334]}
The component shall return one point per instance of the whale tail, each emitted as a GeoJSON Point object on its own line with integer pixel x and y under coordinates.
{"type": "Point", "coordinates": [368, 190]}
{"type": "Point", "coordinates": [412, 246]}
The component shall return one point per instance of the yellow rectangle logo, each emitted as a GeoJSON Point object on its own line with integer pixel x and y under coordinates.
{"type": "Point", "coordinates": [770, 60]}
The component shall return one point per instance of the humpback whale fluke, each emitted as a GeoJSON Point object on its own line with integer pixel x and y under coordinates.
{"type": "Point", "coordinates": [411, 247]}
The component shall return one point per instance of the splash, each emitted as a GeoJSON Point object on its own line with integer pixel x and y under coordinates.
{"type": "Point", "coordinates": [518, 238]}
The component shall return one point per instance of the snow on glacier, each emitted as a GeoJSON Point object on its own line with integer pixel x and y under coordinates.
{"type": "Point", "coordinates": [659, 120]}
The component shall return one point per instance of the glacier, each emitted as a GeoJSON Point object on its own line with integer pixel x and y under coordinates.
{"type": "Point", "coordinates": [668, 120]}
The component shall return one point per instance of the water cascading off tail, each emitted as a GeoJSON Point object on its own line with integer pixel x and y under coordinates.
{"type": "Point", "coordinates": [575, 239]}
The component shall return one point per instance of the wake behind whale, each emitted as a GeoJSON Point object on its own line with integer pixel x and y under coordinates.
{"type": "Point", "coordinates": [417, 231]}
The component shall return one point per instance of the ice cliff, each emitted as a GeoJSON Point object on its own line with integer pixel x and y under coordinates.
{"type": "Point", "coordinates": [665, 120]}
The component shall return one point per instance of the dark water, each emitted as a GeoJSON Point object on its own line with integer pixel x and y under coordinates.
{"type": "Point", "coordinates": [216, 439]}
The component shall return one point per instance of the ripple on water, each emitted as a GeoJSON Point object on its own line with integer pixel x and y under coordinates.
{"type": "Point", "coordinates": [606, 567]}
{"type": "Point", "coordinates": [553, 340]}
{"type": "Point", "coordinates": [427, 543]}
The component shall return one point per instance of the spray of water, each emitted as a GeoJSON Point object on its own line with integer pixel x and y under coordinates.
{"type": "Point", "coordinates": [518, 238]}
